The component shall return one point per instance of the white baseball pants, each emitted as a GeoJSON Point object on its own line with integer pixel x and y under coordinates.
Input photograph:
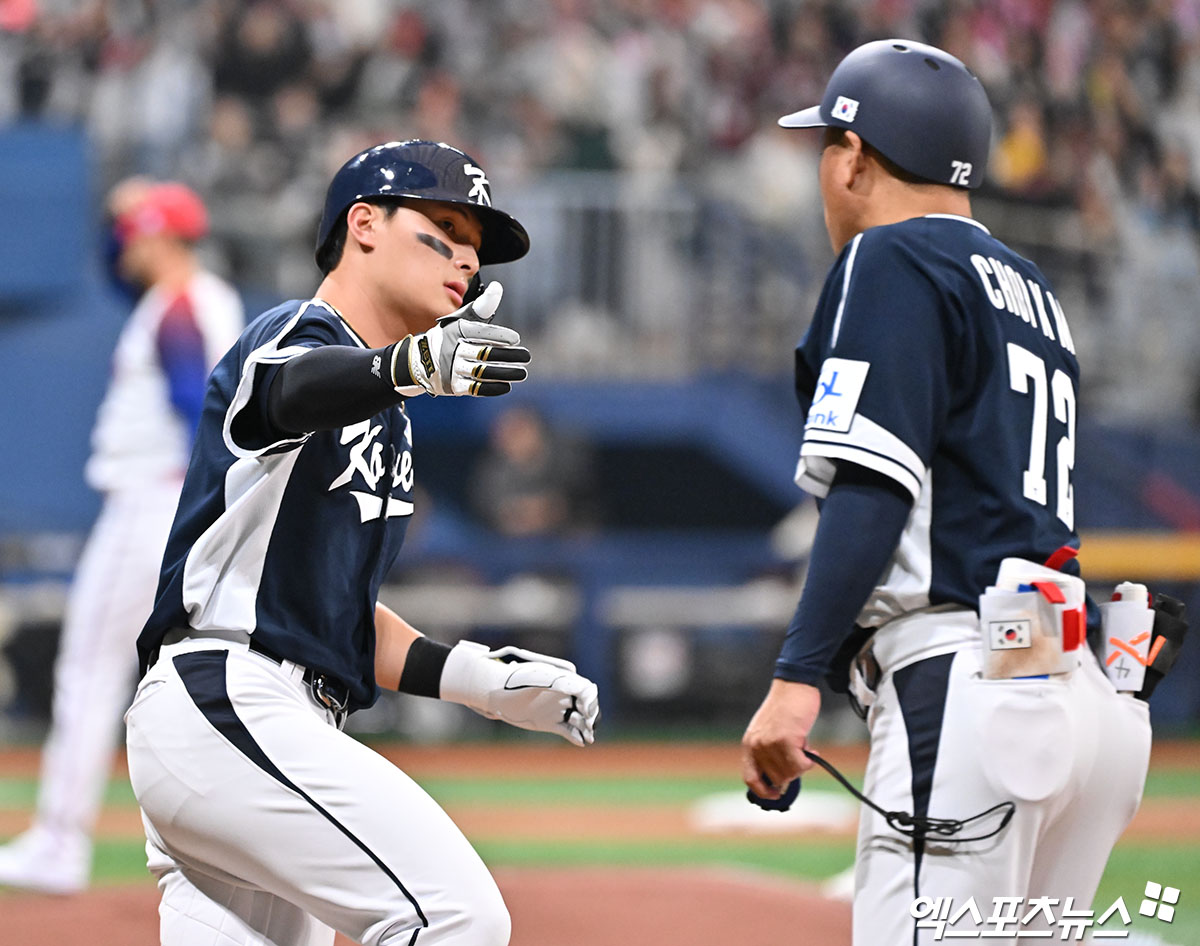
{"type": "Point", "coordinates": [267, 825]}
{"type": "Point", "coordinates": [1069, 751]}
{"type": "Point", "coordinates": [111, 596]}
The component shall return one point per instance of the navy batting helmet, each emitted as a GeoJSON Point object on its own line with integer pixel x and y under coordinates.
{"type": "Point", "coordinates": [424, 170]}
{"type": "Point", "coordinates": [917, 105]}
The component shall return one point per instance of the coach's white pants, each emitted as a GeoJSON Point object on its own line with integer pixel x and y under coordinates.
{"type": "Point", "coordinates": [111, 596]}
{"type": "Point", "coordinates": [1069, 751]}
{"type": "Point", "coordinates": [267, 825]}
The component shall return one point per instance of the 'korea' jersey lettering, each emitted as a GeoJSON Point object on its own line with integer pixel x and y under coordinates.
{"type": "Point", "coordinates": [270, 521]}
{"type": "Point", "coordinates": [943, 360]}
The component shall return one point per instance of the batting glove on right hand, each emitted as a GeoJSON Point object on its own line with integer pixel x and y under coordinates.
{"type": "Point", "coordinates": [463, 353]}
{"type": "Point", "coordinates": [533, 691]}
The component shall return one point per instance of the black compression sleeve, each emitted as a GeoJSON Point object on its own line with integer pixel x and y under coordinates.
{"type": "Point", "coordinates": [861, 521]}
{"type": "Point", "coordinates": [332, 386]}
{"type": "Point", "coordinates": [422, 673]}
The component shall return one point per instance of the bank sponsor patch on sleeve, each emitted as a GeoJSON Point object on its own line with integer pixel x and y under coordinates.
{"type": "Point", "coordinates": [836, 398]}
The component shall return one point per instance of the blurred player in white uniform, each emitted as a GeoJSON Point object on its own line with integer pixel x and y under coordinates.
{"type": "Point", "coordinates": [183, 323]}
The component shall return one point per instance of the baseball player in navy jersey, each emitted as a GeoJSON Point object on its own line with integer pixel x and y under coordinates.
{"type": "Point", "coordinates": [185, 320]}
{"type": "Point", "coordinates": [265, 823]}
{"type": "Point", "coordinates": [940, 383]}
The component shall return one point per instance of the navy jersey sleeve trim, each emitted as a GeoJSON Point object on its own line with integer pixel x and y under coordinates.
{"type": "Point", "coordinates": [867, 444]}
{"type": "Point", "coordinates": [272, 353]}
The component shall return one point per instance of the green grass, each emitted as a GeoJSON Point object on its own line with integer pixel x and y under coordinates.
{"type": "Point", "coordinates": [1173, 783]}
{"type": "Point", "coordinates": [120, 861]}
{"type": "Point", "coordinates": [21, 793]}
{"type": "Point", "coordinates": [566, 790]}
{"type": "Point", "coordinates": [809, 860]}
{"type": "Point", "coordinates": [1174, 865]}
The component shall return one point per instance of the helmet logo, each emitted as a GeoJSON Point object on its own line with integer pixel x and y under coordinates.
{"type": "Point", "coordinates": [479, 192]}
{"type": "Point", "coordinates": [845, 108]}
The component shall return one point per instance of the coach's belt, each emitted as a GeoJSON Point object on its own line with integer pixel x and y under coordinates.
{"type": "Point", "coordinates": [919, 635]}
{"type": "Point", "coordinates": [329, 692]}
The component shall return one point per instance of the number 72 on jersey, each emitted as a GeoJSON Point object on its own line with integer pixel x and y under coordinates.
{"type": "Point", "coordinates": [1027, 375]}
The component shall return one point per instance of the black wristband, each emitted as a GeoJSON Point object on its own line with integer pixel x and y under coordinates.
{"type": "Point", "coordinates": [422, 674]}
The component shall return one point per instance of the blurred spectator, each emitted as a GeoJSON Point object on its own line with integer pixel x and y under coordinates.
{"type": "Point", "coordinates": [262, 47]}
{"type": "Point", "coordinates": [1019, 158]}
{"type": "Point", "coordinates": [530, 482]}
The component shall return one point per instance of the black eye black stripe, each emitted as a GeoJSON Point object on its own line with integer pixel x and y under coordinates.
{"type": "Point", "coordinates": [436, 245]}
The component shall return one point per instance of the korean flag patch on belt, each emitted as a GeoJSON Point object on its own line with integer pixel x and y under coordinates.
{"type": "Point", "coordinates": [836, 398]}
{"type": "Point", "coordinates": [1010, 635]}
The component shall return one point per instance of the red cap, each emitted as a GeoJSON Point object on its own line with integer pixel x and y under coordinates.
{"type": "Point", "coordinates": [170, 208]}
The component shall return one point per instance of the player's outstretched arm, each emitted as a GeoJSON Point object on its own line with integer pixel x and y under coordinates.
{"type": "Point", "coordinates": [335, 385]}
{"type": "Point", "coordinates": [522, 688]}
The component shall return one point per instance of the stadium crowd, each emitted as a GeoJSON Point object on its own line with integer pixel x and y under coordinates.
{"type": "Point", "coordinates": [255, 103]}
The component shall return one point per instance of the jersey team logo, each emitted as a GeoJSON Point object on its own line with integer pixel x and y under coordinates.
{"type": "Point", "coordinates": [845, 108]}
{"type": "Point", "coordinates": [366, 460]}
{"type": "Point", "coordinates": [480, 189]}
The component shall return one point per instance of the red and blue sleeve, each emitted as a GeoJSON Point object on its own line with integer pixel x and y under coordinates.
{"type": "Point", "coordinates": [183, 358]}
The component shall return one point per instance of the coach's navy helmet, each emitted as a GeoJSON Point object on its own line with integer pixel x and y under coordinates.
{"type": "Point", "coordinates": [915, 104]}
{"type": "Point", "coordinates": [425, 170]}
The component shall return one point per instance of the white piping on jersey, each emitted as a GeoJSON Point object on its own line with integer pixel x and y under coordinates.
{"type": "Point", "coordinates": [266, 354]}
{"type": "Point", "coordinates": [270, 354]}
{"type": "Point", "coordinates": [885, 465]}
{"type": "Point", "coordinates": [970, 220]}
{"type": "Point", "coordinates": [317, 300]}
{"type": "Point", "coordinates": [837, 322]}
{"type": "Point", "coordinates": [870, 445]}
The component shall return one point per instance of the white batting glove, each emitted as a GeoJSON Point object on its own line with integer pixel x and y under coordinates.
{"type": "Point", "coordinates": [463, 354]}
{"type": "Point", "coordinates": [534, 691]}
